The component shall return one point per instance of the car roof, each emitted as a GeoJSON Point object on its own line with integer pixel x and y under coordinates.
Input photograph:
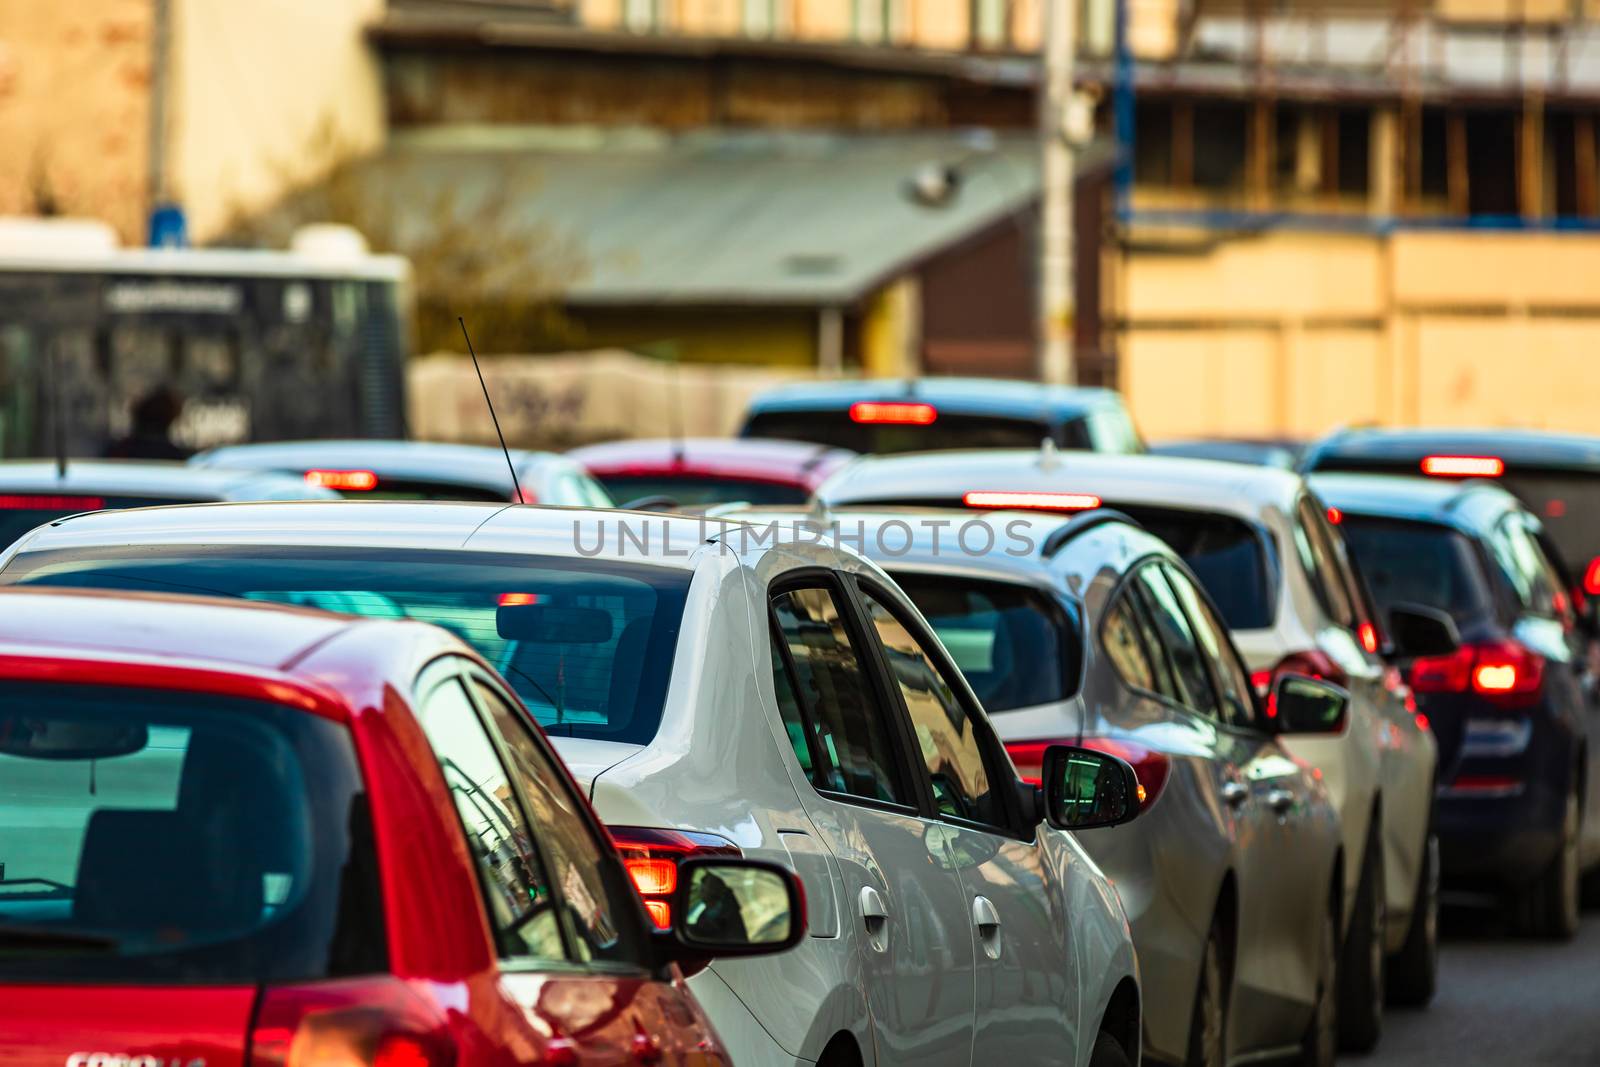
{"type": "Point", "coordinates": [985, 396]}
{"type": "Point", "coordinates": [1164, 481]}
{"type": "Point", "coordinates": [802, 462]}
{"type": "Point", "coordinates": [155, 478]}
{"type": "Point", "coordinates": [1469, 505]}
{"type": "Point", "coordinates": [436, 461]}
{"type": "Point", "coordinates": [430, 525]}
{"type": "Point", "coordinates": [1407, 447]}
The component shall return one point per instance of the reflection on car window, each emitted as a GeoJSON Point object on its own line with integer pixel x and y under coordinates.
{"type": "Point", "coordinates": [948, 741]}
{"type": "Point", "coordinates": [1178, 637]}
{"type": "Point", "coordinates": [1317, 557]}
{"type": "Point", "coordinates": [1125, 646]}
{"type": "Point", "coordinates": [851, 734]}
{"type": "Point", "coordinates": [1230, 674]}
{"type": "Point", "coordinates": [599, 909]}
{"type": "Point", "coordinates": [521, 908]}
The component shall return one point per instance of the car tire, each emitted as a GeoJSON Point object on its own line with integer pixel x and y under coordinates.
{"type": "Point", "coordinates": [1208, 1025]}
{"type": "Point", "coordinates": [1320, 1045]}
{"type": "Point", "coordinates": [1361, 963]}
{"type": "Point", "coordinates": [1414, 971]}
{"type": "Point", "coordinates": [1108, 1052]}
{"type": "Point", "coordinates": [1550, 906]}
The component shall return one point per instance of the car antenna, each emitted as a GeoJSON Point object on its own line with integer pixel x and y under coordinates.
{"type": "Point", "coordinates": [516, 485]}
{"type": "Point", "coordinates": [58, 425]}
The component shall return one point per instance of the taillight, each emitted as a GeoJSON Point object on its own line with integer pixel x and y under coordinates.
{"type": "Point", "coordinates": [1505, 672]}
{"type": "Point", "coordinates": [49, 502]}
{"type": "Point", "coordinates": [1463, 466]}
{"type": "Point", "coordinates": [1367, 634]}
{"type": "Point", "coordinates": [1149, 766]}
{"type": "Point", "coordinates": [359, 481]}
{"type": "Point", "coordinates": [651, 857]}
{"type": "Point", "coordinates": [1311, 661]}
{"type": "Point", "coordinates": [1001, 498]}
{"type": "Point", "coordinates": [358, 1022]}
{"type": "Point", "coordinates": [1591, 577]}
{"type": "Point", "coordinates": [894, 414]}
{"type": "Point", "coordinates": [517, 600]}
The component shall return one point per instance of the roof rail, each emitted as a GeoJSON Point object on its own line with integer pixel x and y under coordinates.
{"type": "Point", "coordinates": [1082, 524]}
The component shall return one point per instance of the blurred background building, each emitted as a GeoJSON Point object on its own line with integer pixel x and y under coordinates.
{"type": "Point", "coordinates": [1321, 211]}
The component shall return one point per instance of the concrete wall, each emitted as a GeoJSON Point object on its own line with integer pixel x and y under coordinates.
{"type": "Point", "coordinates": [1294, 334]}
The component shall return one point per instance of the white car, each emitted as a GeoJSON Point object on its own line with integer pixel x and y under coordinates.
{"type": "Point", "coordinates": [419, 470]}
{"type": "Point", "coordinates": [1266, 551]}
{"type": "Point", "coordinates": [715, 692]}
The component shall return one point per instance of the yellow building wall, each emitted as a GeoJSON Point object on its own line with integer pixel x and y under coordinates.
{"type": "Point", "coordinates": [1295, 334]}
{"type": "Point", "coordinates": [757, 336]}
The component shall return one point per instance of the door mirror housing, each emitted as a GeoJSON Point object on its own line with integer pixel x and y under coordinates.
{"type": "Point", "coordinates": [725, 907]}
{"type": "Point", "coordinates": [1301, 704]}
{"type": "Point", "coordinates": [1422, 631]}
{"type": "Point", "coordinates": [1085, 789]}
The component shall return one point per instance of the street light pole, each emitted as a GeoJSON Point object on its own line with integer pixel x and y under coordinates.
{"type": "Point", "coordinates": [1055, 281]}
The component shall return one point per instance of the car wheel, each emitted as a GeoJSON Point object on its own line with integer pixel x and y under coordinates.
{"type": "Point", "coordinates": [1208, 1027]}
{"type": "Point", "coordinates": [1320, 1045]}
{"type": "Point", "coordinates": [1550, 906]}
{"type": "Point", "coordinates": [1361, 965]}
{"type": "Point", "coordinates": [1414, 970]}
{"type": "Point", "coordinates": [1108, 1052]}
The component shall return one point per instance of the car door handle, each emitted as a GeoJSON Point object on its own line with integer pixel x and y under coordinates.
{"type": "Point", "coordinates": [875, 917]}
{"type": "Point", "coordinates": [984, 915]}
{"type": "Point", "coordinates": [1234, 794]}
{"type": "Point", "coordinates": [1280, 800]}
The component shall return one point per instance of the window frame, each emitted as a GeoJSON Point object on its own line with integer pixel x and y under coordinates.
{"type": "Point", "coordinates": [1256, 723]}
{"type": "Point", "coordinates": [1154, 563]}
{"type": "Point", "coordinates": [1305, 521]}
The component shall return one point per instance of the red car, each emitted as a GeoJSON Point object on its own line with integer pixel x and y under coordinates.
{"type": "Point", "coordinates": [711, 470]}
{"type": "Point", "coordinates": [238, 834]}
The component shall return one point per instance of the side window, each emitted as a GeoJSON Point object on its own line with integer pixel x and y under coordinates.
{"type": "Point", "coordinates": [516, 888]}
{"type": "Point", "coordinates": [1318, 557]}
{"type": "Point", "coordinates": [852, 744]}
{"type": "Point", "coordinates": [947, 739]}
{"type": "Point", "coordinates": [1233, 681]}
{"type": "Point", "coordinates": [1531, 575]}
{"type": "Point", "coordinates": [1188, 662]}
{"type": "Point", "coordinates": [598, 906]}
{"type": "Point", "coordinates": [1125, 647]}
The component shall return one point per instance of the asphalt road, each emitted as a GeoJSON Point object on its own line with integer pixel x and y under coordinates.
{"type": "Point", "coordinates": [1503, 1001]}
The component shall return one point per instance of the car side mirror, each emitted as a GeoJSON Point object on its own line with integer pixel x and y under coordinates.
{"type": "Point", "coordinates": [1085, 789]}
{"type": "Point", "coordinates": [725, 907]}
{"type": "Point", "coordinates": [1422, 631]}
{"type": "Point", "coordinates": [1301, 704]}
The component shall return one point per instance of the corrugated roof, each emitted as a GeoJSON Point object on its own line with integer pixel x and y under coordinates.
{"type": "Point", "coordinates": [725, 217]}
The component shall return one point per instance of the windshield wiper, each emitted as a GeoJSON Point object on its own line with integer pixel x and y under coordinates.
{"type": "Point", "coordinates": [19, 936]}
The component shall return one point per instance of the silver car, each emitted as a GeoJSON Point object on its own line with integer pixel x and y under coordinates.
{"type": "Point", "coordinates": [1094, 632]}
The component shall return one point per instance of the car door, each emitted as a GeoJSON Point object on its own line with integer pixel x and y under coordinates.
{"type": "Point", "coordinates": [1027, 987]}
{"type": "Point", "coordinates": [904, 903]}
{"type": "Point", "coordinates": [568, 950]}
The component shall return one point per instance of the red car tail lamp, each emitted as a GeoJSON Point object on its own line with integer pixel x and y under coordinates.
{"type": "Point", "coordinates": [1505, 672]}
{"type": "Point", "coordinates": [1001, 498]}
{"type": "Point", "coordinates": [49, 502]}
{"type": "Point", "coordinates": [651, 857]}
{"type": "Point", "coordinates": [1149, 766]}
{"type": "Point", "coordinates": [357, 481]}
{"type": "Point", "coordinates": [517, 600]}
{"type": "Point", "coordinates": [1591, 577]}
{"type": "Point", "coordinates": [358, 1022]}
{"type": "Point", "coordinates": [1367, 634]}
{"type": "Point", "coordinates": [1463, 466]}
{"type": "Point", "coordinates": [893, 414]}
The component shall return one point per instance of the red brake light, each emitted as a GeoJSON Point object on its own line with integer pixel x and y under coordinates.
{"type": "Point", "coordinates": [49, 502]}
{"type": "Point", "coordinates": [358, 1022]}
{"type": "Point", "coordinates": [1151, 767]}
{"type": "Point", "coordinates": [651, 857]}
{"type": "Point", "coordinates": [1507, 672]}
{"type": "Point", "coordinates": [1335, 516]}
{"type": "Point", "coordinates": [1368, 635]}
{"type": "Point", "coordinates": [344, 480]}
{"type": "Point", "coordinates": [894, 414]}
{"type": "Point", "coordinates": [999, 498]}
{"type": "Point", "coordinates": [517, 600]}
{"type": "Point", "coordinates": [1591, 577]}
{"type": "Point", "coordinates": [1464, 466]}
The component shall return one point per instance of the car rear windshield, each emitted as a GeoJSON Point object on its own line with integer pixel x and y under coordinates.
{"type": "Point", "coordinates": [396, 489]}
{"type": "Point", "coordinates": [1417, 563]}
{"type": "Point", "coordinates": [833, 426]}
{"type": "Point", "coordinates": [702, 489]}
{"type": "Point", "coordinates": [587, 644]}
{"type": "Point", "coordinates": [1017, 646]}
{"type": "Point", "coordinates": [21, 512]}
{"type": "Point", "coordinates": [1227, 554]}
{"type": "Point", "coordinates": [159, 837]}
{"type": "Point", "coordinates": [1568, 503]}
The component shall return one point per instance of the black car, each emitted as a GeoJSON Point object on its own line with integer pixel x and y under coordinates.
{"type": "Point", "coordinates": [1500, 665]}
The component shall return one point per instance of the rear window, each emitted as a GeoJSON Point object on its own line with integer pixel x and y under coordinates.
{"type": "Point", "coordinates": [157, 837]}
{"type": "Point", "coordinates": [1568, 504]}
{"type": "Point", "coordinates": [1417, 563]}
{"type": "Point", "coordinates": [21, 512]}
{"type": "Point", "coordinates": [1225, 553]}
{"type": "Point", "coordinates": [586, 644]}
{"type": "Point", "coordinates": [395, 489]}
{"type": "Point", "coordinates": [703, 489]}
{"type": "Point", "coordinates": [1017, 647]}
{"type": "Point", "coordinates": [832, 426]}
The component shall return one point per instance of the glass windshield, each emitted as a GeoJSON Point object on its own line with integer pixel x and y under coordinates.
{"type": "Point", "coordinates": [1417, 563]}
{"type": "Point", "coordinates": [169, 837]}
{"type": "Point", "coordinates": [1569, 506]}
{"type": "Point", "coordinates": [1225, 553]}
{"type": "Point", "coordinates": [587, 644]}
{"type": "Point", "coordinates": [702, 489]}
{"type": "Point", "coordinates": [1017, 647]}
{"type": "Point", "coordinates": [833, 426]}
